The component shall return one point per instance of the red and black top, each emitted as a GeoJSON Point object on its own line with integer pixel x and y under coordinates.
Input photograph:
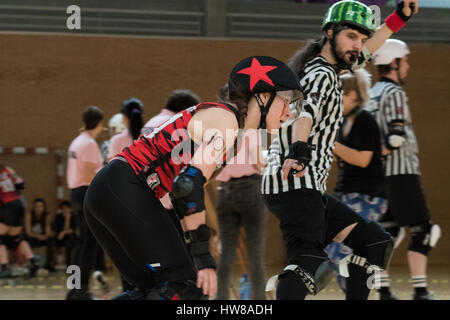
{"type": "Point", "coordinates": [8, 192]}
{"type": "Point", "coordinates": [160, 155]}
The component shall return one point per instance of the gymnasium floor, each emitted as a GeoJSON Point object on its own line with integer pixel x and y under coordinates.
{"type": "Point", "coordinates": [53, 286]}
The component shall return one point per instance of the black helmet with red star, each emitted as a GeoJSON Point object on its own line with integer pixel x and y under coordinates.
{"type": "Point", "coordinates": [258, 74]}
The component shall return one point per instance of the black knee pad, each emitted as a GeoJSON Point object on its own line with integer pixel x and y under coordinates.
{"type": "Point", "coordinates": [424, 237]}
{"type": "Point", "coordinates": [12, 242]}
{"type": "Point", "coordinates": [2, 239]}
{"type": "Point", "coordinates": [371, 243]}
{"type": "Point", "coordinates": [311, 265]}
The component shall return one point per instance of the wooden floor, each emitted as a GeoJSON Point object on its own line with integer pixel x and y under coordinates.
{"type": "Point", "coordinates": [53, 286]}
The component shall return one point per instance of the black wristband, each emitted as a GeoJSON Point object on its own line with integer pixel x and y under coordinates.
{"type": "Point", "coordinates": [300, 151]}
{"type": "Point", "coordinates": [197, 242]}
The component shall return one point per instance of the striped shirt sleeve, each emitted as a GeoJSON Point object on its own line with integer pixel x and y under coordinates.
{"type": "Point", "coordinates": [395, 106]}
{"type": "Point", "coordinates": [315, 87]}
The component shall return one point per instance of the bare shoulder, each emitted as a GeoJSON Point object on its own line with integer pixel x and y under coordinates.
{"type": "Point", "coordinates": [211, 121]}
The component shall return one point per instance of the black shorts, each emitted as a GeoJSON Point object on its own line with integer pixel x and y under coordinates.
{"type": "Point", "coordinates": [12, 213]}
{"type": "Point", "coordinates": [307, 216]}
{"type": "Point", "coordinates": [407, 200]}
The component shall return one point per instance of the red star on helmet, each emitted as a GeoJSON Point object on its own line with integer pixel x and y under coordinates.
{"type": "Point", "coordinates": [258, 72]}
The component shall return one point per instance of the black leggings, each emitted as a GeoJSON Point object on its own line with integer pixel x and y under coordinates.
{"type": "Point", "coordinates": [86, 249]}
{"type": "Point", "coordinates": [134, 229]}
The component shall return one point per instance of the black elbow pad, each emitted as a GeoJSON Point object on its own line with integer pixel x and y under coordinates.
{"type": "Point", "coordinates": [396, 135]}
{"type": "Point", "coordinates": [20, 186]}
{"type": "Point", "coordinates": [187, 192]}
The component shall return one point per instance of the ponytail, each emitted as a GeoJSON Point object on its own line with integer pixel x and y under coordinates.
{"type": "Point", "coordinates": [136, 123]}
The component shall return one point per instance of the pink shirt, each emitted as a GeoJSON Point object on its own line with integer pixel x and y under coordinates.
{"type": "Point", "coordinates": [118, 142]}
{"type": "Point", "coordinates": [157, 120]}
{"type": "Point", "coordinates": [84, 149]}
{"type": "Point", "coordinates": [243, 164]}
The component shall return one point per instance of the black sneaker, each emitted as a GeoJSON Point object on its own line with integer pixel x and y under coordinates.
{"type": "Point", "coordinates": [387, 296]}
{"type": "Point", "coordinates": [429, 295]}
{"type": "Point", "coordinates": [6, 274]}
{"type": "Point", "coordinates": [130, 295]}
{"type": "Point", "coordinates": [32, 271]}
{"type": "Point", "coordinates": [186, 290]}
{"type": "Point", "coordinates": [50, 268]}
{"type": "Point", "coordinates": [79, 294]}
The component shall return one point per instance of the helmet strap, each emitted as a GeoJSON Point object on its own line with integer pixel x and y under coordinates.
{"type": "Point", "coordinates": [264, 109]}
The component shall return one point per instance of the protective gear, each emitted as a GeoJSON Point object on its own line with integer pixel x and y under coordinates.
{"type": "Point", "coordinates": [371, 245]}
{"type": "Point", "coordinates": [20, 185]}
{"type": "Point", "coordinates": [397, 19]}
{"type": "Point", "coordinates": [300, 151]}
{"type": "Point", "coordinates": [352, 13]}
{"type": "Point", "coordinates": [197, 242]}
{"type": "Point", "coordinates": [187, 192]}
{"type": "Point", "coordinates": [12, 242]}
{"type": "Point", "coordinates": [313, 283]}
{"type": "Point", "coordinates": [389, 51]}
{"type": "Point", "coordinates": [259, 74]}
{"type": "Point", "coordinates": [2, 239]}
{"type": "Point", "coordinates": [396, 136]}
{"type": "Point", "coordinates": [116, 123]}
{"type": "Point", "coordinates": [424, 237]}
{"type": "Point", "coordinates": [397, 232]}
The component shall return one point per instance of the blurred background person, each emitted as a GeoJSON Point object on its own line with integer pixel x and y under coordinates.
{"type": "Point", "coordinates": [115, 126]}
{"type": "Point", "coordinates": [38, 231]}
{"type": "Point", "coordinates": [64, 227]}
{"type": "Point", "coordinates": [84, 161]}
{"type": "Point", "coordinates": [240, 204]}
{"type": "Point", "coordinates": [132, 119]}
{"type": "Point", "coordinates": [12, 212]}
{"type": "Point", "coordinates": [177, 101]}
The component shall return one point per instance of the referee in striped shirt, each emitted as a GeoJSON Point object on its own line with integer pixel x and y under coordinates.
{"type": "Point", "coordinates": [300, 157]}
{"type": "Point", "coordinates": [407, 204]}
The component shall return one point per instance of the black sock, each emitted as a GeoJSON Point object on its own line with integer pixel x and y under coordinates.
{"type": "Point", "coordinates": [32, 261]}
{"type": "Point", "coordinates": [4, 267]}
{"type": "Point", "coordinates": [421, 290]}
{"type": "Point", "coordinates": [384, 290]}
{"type": "Point", "coordinates": [357, 288]}
{"type": "Point", "coordinates": [291, 287]}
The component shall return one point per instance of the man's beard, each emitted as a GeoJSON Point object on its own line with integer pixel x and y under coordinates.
{"type": "Point", "coordinates": [346, 59]}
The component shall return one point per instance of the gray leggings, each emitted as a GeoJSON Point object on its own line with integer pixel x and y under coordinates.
{"type": "Point", "coordinates": [240, 204]}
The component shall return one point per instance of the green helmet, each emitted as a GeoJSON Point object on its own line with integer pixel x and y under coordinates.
{"type": "Point", "coordinates": [350, 12]}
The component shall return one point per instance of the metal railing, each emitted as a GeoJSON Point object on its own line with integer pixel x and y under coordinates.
{"type": "Point", "coordinates": [196, 18]}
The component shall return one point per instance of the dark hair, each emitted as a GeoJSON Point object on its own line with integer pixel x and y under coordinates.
{"type": "Point", "coordinates": [241, 100]}
{"type": "Point", "coordinates": [383, 69]}
{"type": "Point", "coordinates": [179, 100]}
{"type": "Point", "coordinates": [91, 117]}
{"type": "Point", "coordinates": [65, 203]}
{"type": "Point", "coordinates": [224, 94]}
{"type": "Point", "coordinates": [311, 49]}
{"type": "Point", "coordinates": [44, 214]}
{"type": "Point", "coordinates": [132, 109]}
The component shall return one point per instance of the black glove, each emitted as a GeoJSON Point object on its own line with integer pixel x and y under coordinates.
{"type": "Point", "coordinates": [301, 152]}
{"type": "Point", "coordinates": [197, 243]}
{"type": "Point", "coordinates": [400, 13]}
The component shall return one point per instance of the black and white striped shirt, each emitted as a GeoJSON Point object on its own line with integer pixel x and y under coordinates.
{"type": "Point", "coordinates": [389, 103]}
{"type": "Point", "coordinates": [323, 104]}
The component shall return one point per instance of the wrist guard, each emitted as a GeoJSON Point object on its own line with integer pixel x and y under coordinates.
{"type": "Point", "coordinates": [300, 151]}
{"type": "Point", "coordinates": [397, 19]}
{"type": "Point", "coordinates": [395, 138]}
{"type": "Point", "coordinates": [187, 192]}
{"type": "Point", "coordinates": [197, 243]}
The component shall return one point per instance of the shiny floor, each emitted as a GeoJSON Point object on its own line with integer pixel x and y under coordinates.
{"type": "Point", "coordinates": [53, 286]}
